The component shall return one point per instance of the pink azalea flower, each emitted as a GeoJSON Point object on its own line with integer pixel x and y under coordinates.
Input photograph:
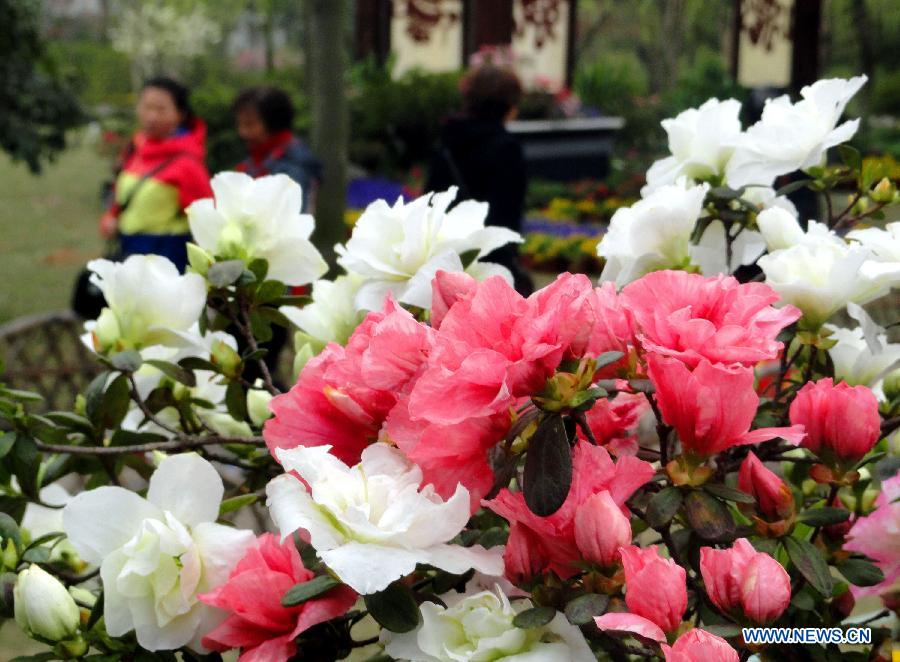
{"type": "Point", "coordinates": [344, 395]}
{"type": "Point", "coordinates": [742, 578]}
{"type": "Point", "coordinates": [700, 646]}
{"type": "Point", "coordinates": [613, 324]}
{"type": "Point", "coordinates": [692, 317]}
{"type": "Point", "coordinates": [655, 592]}
{"type": "Point", "coordinates": [257, 623]}
{"type": "Point", "coordinates": [841, 421]}
{"type": "Point", "coordinates": [878, 537]}
{"type": "Point", "coordinates": [584, 527]}
{"type": "Point", "coordinates": [712, 406]}
{"type": "Point", "coordinates": [774, 499]}
{"type": "Point", "coordinates": [614, 422]}
{"type": "Point", "coordinates": [446, 289]}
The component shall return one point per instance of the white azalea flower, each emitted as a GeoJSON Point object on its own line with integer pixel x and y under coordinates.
{"type": "Point", "coordinates": [373, 522]}
{"type": "Point", "coordinates": [652, 234]}
{"type": "Point", "coordinates": [793, 136]}
{"type": "Point", "coordinates": [148, 303]}
{"type": "Point", "coordinates": [822, 274]}
{"type": "Point", "coordinates": [399, 249]}
{"type": "Point", "coordinates": [862, 356]}
{"type": "Point", "coordinates": [479, 626]}
{"type": "Point", "coordinates": [258, 218]}
{"type": "Point", "coordinates": [710, 254]}
{"type": "Point", "coordinates": [157, 554]}
{"type": "Point", "coordinates": [885, 244]}
{"type": "Point", "coordinates": [43, 606]}
{"type": "Point", "coordinates": [332, 315]}
{"type": "Point", "coordinates": [701, 141]}
{"type": "Point", "coordinates": [764, 198]}
{"type": "Point", "coordinates": [779, 228]}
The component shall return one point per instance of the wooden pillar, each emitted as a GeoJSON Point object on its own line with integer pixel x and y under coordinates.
{"type": "Point", "coordinates": [486, 24]}
{"type": "Point", "coordinates": [806, 27]}
{"type": "Point", "coordinates": [373, 29]}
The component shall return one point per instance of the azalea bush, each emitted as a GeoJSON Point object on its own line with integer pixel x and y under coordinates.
{"type": "Point", "coordinates": [626, 470]}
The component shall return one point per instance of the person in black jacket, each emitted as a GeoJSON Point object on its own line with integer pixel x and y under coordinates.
{"type": "Point", "coordinates": [477, 154]}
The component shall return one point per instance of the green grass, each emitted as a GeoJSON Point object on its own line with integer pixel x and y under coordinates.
{"type": "Point", "coordinates": [48, 225]}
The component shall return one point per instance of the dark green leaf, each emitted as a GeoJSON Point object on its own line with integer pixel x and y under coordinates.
{"type": "Point", "coordinates": [584, 608]}
{"type": "Point", "coordinates": [115, 402]}
{"type": "Point", "coordinates": [255, 355]}
{"type": "Point", "coordinates": [825, 516]}
{"type": "Point", "coordinates": [804, 600]}
{"type": "Point", "coordinates": [160, 398]}
{"type": "Point", "coordinates": [94, 395]}
{"type": "Point", "coordinates": [223, 274]}
{"type": "Point", "coordinates": [548, 468]}
{"type": "Point", "coordinates": [50, 537]}
{"type": "Point", "coordinates": [850, 156]}
{"type": "Point", "coordinates": [298, 300]}
{"type": "Point", "coordinates": [7, 599]}
{"type": "Point", "coordinates": [468, 257]}
{"type": "Point", "coordinates": [728, 493]}
{"type": "Point", "coordinates": [861, 573]}
{"type": "Point", "coordinates": [26, 462]}
{"type": "Point", "coordinates": [13, 506]}
{"type": "Point", "coordinates": [663, 506]}
{"type": "Point", "coordinates": [259, 267]}
{"type": "Point", "coordinates": [196, 363]}
{"type": "Point", "coordinates": [72, 421]}
{"type": "Point", "coordinates": [236, 401]}
{"type": "Point", "coordinates": [173, 371]}
{"type": "Point", "coordinates": [96, 612]}
{"type": "Point", "coordinates": [237, 502]}
{"type": "Point", "coordinates": [39, 657]}
{"type": "Point", "coordinates": [6, 443]}
{"type": "Point", "coordinates": [274, 316]}
{"type": "Point", "coordinates": [269, 291]}
{"type": "Point", "coordinates": [130, 438]}
{"type": "Point", "coordinates": [808, 560]}
{"type": "Point", "coordinates": [787, 189]}
{"type": "Point", "coordinates": [260, 326]}
{"type": "Point", "coordinates": [535, 617]}
{"type": "Point", "coordinates": [708, 516]}
{"type": "Point", "coordinates": [36, 555]}
{"type": "Point", "coordinates": [724, 630]}
{"type": "Point", "coordinates": [606, 358]}
{"type": "Point", "coordinates": [9, 529]}
{"type": "Point", "coordinates": [24, 396]}
{"type": "Point", "coordinates": [127, 361]}
{"type": "Point", "coordinates": [300, 593]}
{"type": "Point", "coordinates": [394, 608]}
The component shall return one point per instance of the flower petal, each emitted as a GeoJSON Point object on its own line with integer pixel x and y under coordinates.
{"type": "Point", "coordinates": [187, 486]}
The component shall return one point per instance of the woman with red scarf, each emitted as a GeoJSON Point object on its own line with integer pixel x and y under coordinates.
{"type": "Point", "coordinates": [265, 118]}
{"type": "Point", "coordinates": [162, 172]}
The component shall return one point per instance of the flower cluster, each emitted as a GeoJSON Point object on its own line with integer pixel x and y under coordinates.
{"type": "Point", "coordinates": [636, 468]}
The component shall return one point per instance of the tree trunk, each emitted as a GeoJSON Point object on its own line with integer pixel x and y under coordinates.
{"type": "Point", "coordinates": [329, 132]}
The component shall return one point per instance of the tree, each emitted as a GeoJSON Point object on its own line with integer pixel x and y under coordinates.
{"type": "Point", "coordinates": [37, 107]}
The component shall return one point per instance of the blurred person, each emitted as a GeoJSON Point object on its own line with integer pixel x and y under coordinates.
{"type": "Point", "coordinates": [162, 172]}
{"type": "Point", "coordinates": [265, 120]}
{"type": "Point", "coordinates": [477, 154]}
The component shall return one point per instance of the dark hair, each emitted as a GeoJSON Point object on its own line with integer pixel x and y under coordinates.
{"type": "Point", "coordinates": [490, 92]}
{"type": "Point", "coordinates": [273, 105]}
{"type": "Point", "coordinates": [179, 93]}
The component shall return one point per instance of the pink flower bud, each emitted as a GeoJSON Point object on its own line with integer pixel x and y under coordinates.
{"type": "Point", "coordinates": [773, 497]}
{"type": "Point", "coordinates": [601, 529]}
{"type": "Point", "coordinates": [655, 588]}
{"type": "Point", "coordinates": [842, 422]}
{"type": "Point", "coordinates": [742, 578]}
{"type": "Point", "coordinates": [696, 644]}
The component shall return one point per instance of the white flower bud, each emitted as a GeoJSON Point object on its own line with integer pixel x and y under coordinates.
{"type": "Point", "coordinates": [43, 607]}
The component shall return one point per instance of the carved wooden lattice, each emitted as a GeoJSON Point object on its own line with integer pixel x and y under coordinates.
{"type": "Point", "coordinates": [43, 353]}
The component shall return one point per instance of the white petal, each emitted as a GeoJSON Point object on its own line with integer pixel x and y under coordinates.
{"type": "Point", "coordinates": [206, 223]}
{"type": "Point", "coordinates": [457, 559]}
{"type": "Point", "coordinates": [187, 486]}
{"type": "Point", "coordinates": [370, 568]}
{"type": "Point", "coordinates": [220, 547]}
{"type": "Point", "coordinates": [292, 508]}
{"type": "Point", "coordinates": [295, 261]}
{"type": "Point", "coordinates": [100, 521]}
{"type": "Point", "coordinates": [116, 611]}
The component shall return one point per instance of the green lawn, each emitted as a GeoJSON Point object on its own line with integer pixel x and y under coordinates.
{"type": "Point", "coordinates": [49, 229]}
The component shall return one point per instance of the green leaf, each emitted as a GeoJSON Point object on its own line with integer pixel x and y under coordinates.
{"type": "Point", "coordinates": [300, 593]}
{"type": "Point", "coordinates": [236, 401]}
{"type": "Point", "coordinates": [36, 555]}
{"type": "Point", "coordinates": [196, 363]}
{"type": "Point", "coordinates": [724, 630]}
{"type": "Point", "coordinates": [26, 462]}
{"type": "Point", "coordinates": [663, 506]}
{"type": "Point", "coordinates": [270, 291]}
{"type": "Point", "coordinates": [259, 267]}
{"type": "Point", "coordinates": [7, 599]}
{"type": "Point", "coordinates": [548, 468]}
{"type": "Point", "coordinates": [274, 316]}
{"type": "Point", "coordinates": [804, 600]}
{"type": "Point", "coordinates": [809, 561]}
{"type": "Point", "coordinates": [127, 361]}
{"type": "Point", "coordinates": [535, 617]}
{"type": "Point", "coordinates": [50, 537]}
{"type": "Point", "coordinates": [861, 573]}
{"type": "Point", "coordinates": [584, 608]}
{"type": "Point", "coordinates": [13, 506]}
{"type": "Point", "coordinates": [237, 502]}
{"type": "Point", "coordinates": [850, 156]}
{"type": "Point", "coordinates": [825, 516]}
{"type": "Point", "coordinates": [787, 189]}
{"type": "Point", "coordinates": [130, 438]}
{"type": "Point", "coordinates": [223, 274]}
{"type": "Point", "coordinates": [115, 403]}
{"type": "Point", "coordinates": [72, 421]}
{"type": "Point", "coordinates": [6, 443]}
{"type": "Point", "coordinates": [160, 398]}
{"type": "Point", "coordinates": [708, 516]}
{"type": "Point", "coordinates": [173, 371]}
{"type": "Point", "coordinates": [24, 396]}
{"type": "Point", "coordinates": [728, 493]}
{"type": "Point", "coordinates": [96, 612]}
{"type": "Point", "coordinates": [260, 326]}
{"type": "Point", "coordinates": [394, 608]}
{"type": "Point", "coordinates": [606, 358]}
{"type": "Point", "coordinates": [468, 257]}
{"type": "Point", "coordinates": [9, 529]}
{"type": "Point", "coordinates": [93, 396]}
